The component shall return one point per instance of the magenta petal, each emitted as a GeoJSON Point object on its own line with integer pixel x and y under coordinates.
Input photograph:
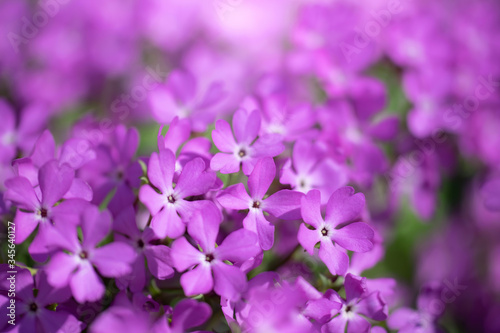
{"type": "Point", "coordinates": [151, 199]}
{"type": "Point", "coordinates": [311, 208]}
{"type": "Point", "coordinates": [21, 193]}
{"type": "Point", "coordinates": [69, 211]}
{"type": "Point", "coordinates": [304, 156]}
{"type": "Point", "coordinates": [79, 190]}
{"type": "Point", "coordinates": [198, 280]}
{"type": "Point", "coordinates": [238, 246]}
{"type": "Point", "coordinates": [261, 177]}
{"type": "Point", "coordinates": [25, 224]}
{"type": "Point", "coordinates": [114, 259]}
{"type": "Point", "coordinates": [401, 317]}
{"type": "Point", "coordinates": [178, 133]}
{"type": "Point", "coordinates": [246, 125]}
{"type": "Point", "coordinates": [161, 168]}
{"type": "Point", "coordinates": [95, 226]}
{"type": "Point", "coordinates": [358, 324]}
{"type": "Point", "coordinates": [357, 237]}
{"type": "Point", "coordinates": [373, 307]}
{"type": "Point", "coordinates": [60, 268]}
{"type": "Point", "coordinates": [184, 255]}
{"type": "Point", "coordinates": [335, 259]}
{"type": "Point", "coordinates": [225, 163]}
{"type": "Point", "coordinates": [204, 226]}
{"type": "Point", "coordinates": [234, 197]}
{"type": "Point", "coordinates": [190, 313]}
{"type": "Point", "coordinates": [230, 281]}
{"type": "Point", "coordinates": [44, 149]}
{"type": "Point", "coordinates": [54, 182]}
{"type": "Point", "coordinates": [194, 180]}
{"type": "Point", "coordinates": [355, 286]}
{"type": "Point", "coordinates": [223, 137]}
{"type": "Point", "coordinates": [60, 321]}
{"type": "Point", "coordinates": [255, 221]}
{"type": "Point", "coordinates": [386, 129]}
{"type": "Point", "coordinates": [344, 206]}
{"type": "Point", "coordinates": [268, 145]}
{"type": "Point", "coordinates": [159, 261]}
{"type": "Point", "coordinates": [321, 309]}
{"type": "Point", "coordinates": [86, 286]}
{"type": "Point", "coordinates": [308, 238]}
{"type": "Point", "coordinates": [168, 223]}
{"type": "Point", "coordinates": [335, 325]}
{"type": "Point", "coordinates": [284, 204]}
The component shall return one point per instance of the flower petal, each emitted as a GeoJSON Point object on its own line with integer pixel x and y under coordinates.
{"type": "Point", "coordinates": [161, 168]}
{"type": "Point", "coordinates": [60, 268]}
{"type": "Point", "coordinates": [230, 281]}
{"type": "Point", "coordinates": [344, 206]}
{"type": "Point", "coordinates": [334, 258]}
{"type": "Point", "coordinates": [204, 226]}
{"type": "Point", "coordinates": [308, 238]}
{"type": "Point", "coordinates": [194, 180]}
{"type": "Point", "coordinates": [225, 163]}
{"type": "Point", "coordinates": [21, 193]}
{"type": "Point", "coordinates": [311, 208]}
{"type": "Point", "coordinates": [151, 199]}
{"type": "Point", "coordinates": [159, 261]}
{"type": "Point", "coordinates": [197, 281]}
{"type": "Point", "coordinates": [234, 197]}
{"type": "Point", "coordinates": [246, 125]}
{"type": "Point", "coordinates": [184, 255]}
{"type": "Point", "coordinates": [54, 182]}
{"type": "Point", "coordinates": [114, 259]}
{"type": "Point", "coordinates": [223, 137]}
{"type": "Point", "coordinates": [261, 178]}
{"type": "Point", "coordinates": [239, 246]}
{"type": "Point", "coordinates": [284, 204]}
{"type": "Point", "coordinates": [357, 237]}
{"type": "Point", "coordinates": [167, 223]}
{"type": "Point", "coordinates": [86, 286]}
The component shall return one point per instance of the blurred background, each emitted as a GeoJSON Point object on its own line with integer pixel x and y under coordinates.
{"type": "Point", "coordinates": [425, 74]}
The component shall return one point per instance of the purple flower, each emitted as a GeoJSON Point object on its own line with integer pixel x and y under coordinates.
{"type": "Point", "coordinates": [338, 231]}
{"type": "Point", "coordinates": [74, 152]}
{"type": "Point", "coordinates": [247, 149]}
{"type": "Point", "coordinates": [32, 297]}
{"type": "Point", "coordinates": [115, 169]}
{"type": "Point", "coordinates": [356, 307]}
{"type": "Point", "coordinates": [157, 256]}
{"type": "Point", "coordinates": [178, 134]}
{"type": "Point", "coordinates": [40, 206]}
{"type": "Point", "coordinates": [126, 315]}
{"type": "Point", "coordinates": [290, 121]}
{"type": "Point", "coordinates": [284, 204]}
{"type": "Point", "coordinates": [22, 136]}
{"type": "Point", "coordinates": [186, 315]}
{"type": "Point", "coordinates": [491, 194]}
{"type": "Point", "coordinates": [168, 205]}
{"type": "Point", "coordinates": [206, 265]}
{"type": "Point", "coordinates": [309, 169]}
{"type": "Point", "coordinates": [422, 320]}
{"type": "Point", "coordinates": [75, 266]}
{"type": "Point", "coordinates": [180, 96]}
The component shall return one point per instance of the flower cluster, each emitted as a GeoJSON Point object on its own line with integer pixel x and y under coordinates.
{"type": "Point", "coordinates": [250, 166]}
